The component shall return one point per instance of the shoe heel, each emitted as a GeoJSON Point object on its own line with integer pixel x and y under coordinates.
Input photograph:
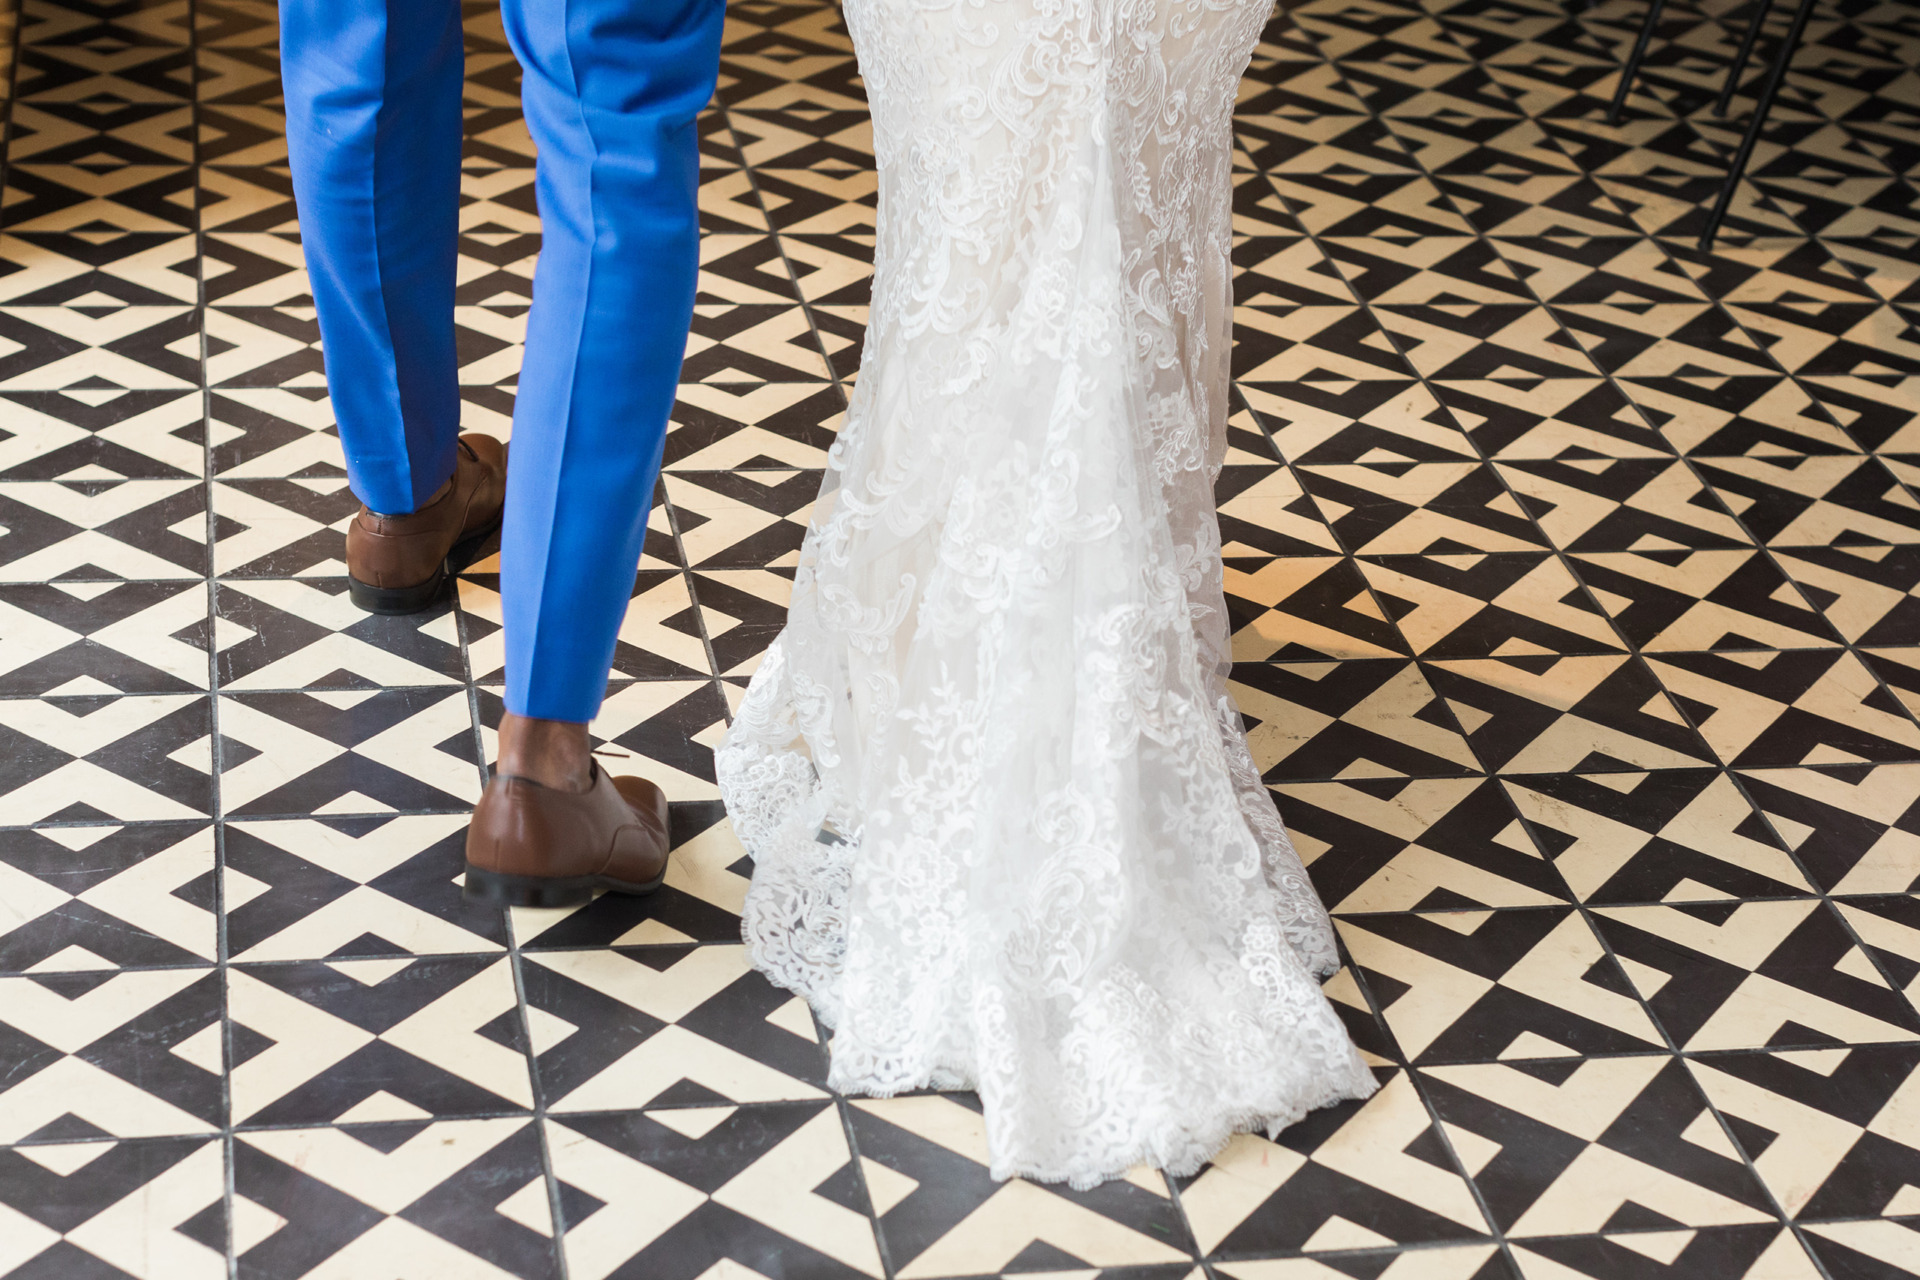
{"type": "Point", "coordinates": [464, 552]}
{"type": "Point", "coordinates": [499, 889]}
{"type": "Point", "coordinates": [397, 600]}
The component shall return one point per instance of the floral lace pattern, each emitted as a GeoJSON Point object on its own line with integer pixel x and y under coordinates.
{"type": "Point", "coordinates": [1007, 833]}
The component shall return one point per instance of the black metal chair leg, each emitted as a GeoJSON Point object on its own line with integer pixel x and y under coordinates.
{"type": "Point", "coordinates": [1760, 109]}
{"type": "Point", "coordinates": [1632, 67]}
{"type": "Point", "coordinates": [1740, 59]}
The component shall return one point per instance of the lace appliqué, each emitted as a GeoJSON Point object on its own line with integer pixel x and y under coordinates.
{"type": "Point", "coordinates": [1006, 829]}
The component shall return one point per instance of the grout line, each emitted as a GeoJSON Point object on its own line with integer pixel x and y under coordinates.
{"type": "Point", "coordinates": [889, 1269]}
{"type": "Point", "coordinates": [556, 1208]}
{"type": "Point", "coordinates": [673, 514]}
{"type": "Point", "coordinates": [699, 611]}
{"type": "Point", "coordinates": [841, 1105]}
{"type": "Point", "coordinates": [537, 1113]}
{"type": "Point", "coordinates": [779, 241]}
{"type": "Point", "coordinates": [216, 754]}
{"type": "Point", "coordinates": [1405, 1064]}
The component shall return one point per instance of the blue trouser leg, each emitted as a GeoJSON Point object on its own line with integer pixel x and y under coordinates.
{"type": "Point", "coordinates": [373, 135]}
{"type": "Point", "coordinates": [611, 89]}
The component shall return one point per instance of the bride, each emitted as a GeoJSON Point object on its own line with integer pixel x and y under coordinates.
{"type": "Point", "coordinates": [1007, 834]}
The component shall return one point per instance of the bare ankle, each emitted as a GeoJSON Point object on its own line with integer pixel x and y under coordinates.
{"type": "Point", "coordinates": [554, 753]}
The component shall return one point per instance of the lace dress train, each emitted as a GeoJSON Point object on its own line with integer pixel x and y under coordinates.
{"type": "Point", "coordinates": [1006, 830]}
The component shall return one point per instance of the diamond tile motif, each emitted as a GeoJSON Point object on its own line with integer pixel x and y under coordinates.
{"type": "Point", "coordinates": [1826, 1128]}
{"type": "Point", "coordinates": [94, 757]}
{"type": "Point", "coordinates": [1816, 501]}
{"type": "Point", "coordinates": [1571, 574]}
{"type": "Point", "coordinates": [1500, 605]}
{"type": "Point", "coordinates": [644, 1194]}
{"type": "Point", "coordinates": [1551, 714]}
{"type": "Point", "coordinates": [335, 888]}
{"type": "Point", "coordinates": [940, 1214]}
{"type": "Point", "coordinates": [388, 1038]}
{"type": "Point", "coordinates": [1390, 844]}
{"type": "Point", "coordinates": [347, 752]}
{"type": "Point", "coordinates": [104, 637]}
{"type": "Point", "coordinates": [1433, 508]}
{"type": "Point", "coordinates": [1850, 827]}
{"type": "Point", "coordinates": [1360, 1175]}
{"type": "Point", "coordinates": [446, 1197]}
{"type": "Point", "coordinates": [102, 527]}
{"type": "Point", "coordinates": [1754, 1252]}
{"type": "Point", "coordinates": [619, 1028]}
{"type": "Point", "coordinates": [1784, 974]}
{"type": "Point", "coordinates": [1808, 706]}
{"type": "Point", "coordinates": [144, 1206]}
{"type": "Point", "coordinates": [102, 1053]}
{"type": "Point", "coordinates": [1669, 835]}
{"type": "Point", "coordinates": [1632, 504]}
{"type": "Point", "coordinates": [1497, 984]}
{"type": "Point", "coordinates": [1346, 720]}
{"type": "Point", "coordinates": [1305, 607]}
{"type": "Point", "coordinates": [1561, 1146]}
{"type": "Point", "coordinates": [87, 897]}
{"type": "Point", "coordinates": [1704, 599]}
{"type": "Point", "coordinates": [283, 633]}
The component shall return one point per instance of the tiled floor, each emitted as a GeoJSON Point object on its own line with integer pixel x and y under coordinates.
{"type": "Point", "coordinates": [1575, 575]}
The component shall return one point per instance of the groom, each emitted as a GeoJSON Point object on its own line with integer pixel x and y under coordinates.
{"type": "Point", "coordinates": [611, 89]}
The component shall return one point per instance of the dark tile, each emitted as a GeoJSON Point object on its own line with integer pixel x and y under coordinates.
{"type": "Point", "coordinates": [631, 1027]}
{"type": "Point", "coordinates": [1553, 713]}
{"type": "Point", "coordinates": [78, 1209]}
{"type": "Point", "coordinates": [1820, 1125]}
{"type": "Point", "coordinates": [1670, 835]}
{"type": "Point", "coordinates": [1365, 718]}
{"type": "Point", "coordinates": [1510, 604]}
{"type": "Point", "coordinates": [345, 752]}
{"type": "Point", "coordinates": [98, 758]}
{"type": "Point", "coordinates": [387, 1038]}
{"type": "Point", "coordinates": [1737, 975]}
{"type": "Point", "coordinates": [103, 636]}
{"type": "Point", "coordinates": [452, 1195]}
{"type": "Point", "coordinates": [1560, 1147]}
{"type": "Point", "coordinates": [98, 1053]}
{"type": "Point", "coordinates": [1477, 985]}
{"type": "Point", "coordinates": [772, 1189]}
{"type": "Point", "coordinates": [938, 1210]}
{"type": "Point", "coordinates": [108, 896]}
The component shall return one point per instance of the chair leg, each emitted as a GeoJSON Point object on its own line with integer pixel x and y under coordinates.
{"type": "Point", "coordinates": [1739, 66]}
{"type": "Point", "coordinates": [1632, 67]}
{"type": "Point", "coordinates": [1775, 77]}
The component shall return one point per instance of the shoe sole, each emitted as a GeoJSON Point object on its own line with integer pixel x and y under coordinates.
{"type": "Point", "coordinates": [499, 889]}
{"type": "Point", "coordinates": [393, 601]}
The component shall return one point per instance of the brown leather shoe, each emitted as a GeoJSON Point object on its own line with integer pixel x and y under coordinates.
{"type": "Point", "coordinates": [398, 564]}
{"type": "Point", "coordinates": [533, 846]}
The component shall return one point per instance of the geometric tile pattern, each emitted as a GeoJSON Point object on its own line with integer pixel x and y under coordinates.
{"type": "Point", "coordinates": [1574, 584]}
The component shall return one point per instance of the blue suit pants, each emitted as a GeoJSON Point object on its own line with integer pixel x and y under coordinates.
{"type": "Point", "coordinates": [610, 90]}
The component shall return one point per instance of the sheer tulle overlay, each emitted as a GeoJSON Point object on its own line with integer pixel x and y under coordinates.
{"type": "Point", "coordinates": [1006, 830]}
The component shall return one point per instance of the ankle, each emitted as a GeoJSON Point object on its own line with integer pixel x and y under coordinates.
{"type": "Point", "coordinates": [554, 753]}
{"type": "Point", "coordinates": [430, 499]}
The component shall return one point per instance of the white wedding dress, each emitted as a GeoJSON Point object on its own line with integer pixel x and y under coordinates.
{"type": "Point", "coordinates": [1006, 832]}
